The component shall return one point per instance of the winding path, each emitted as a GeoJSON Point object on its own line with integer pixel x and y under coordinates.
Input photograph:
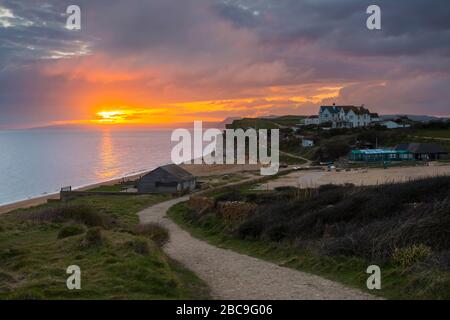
{"type": "Point", "coordinates": [234, 276]}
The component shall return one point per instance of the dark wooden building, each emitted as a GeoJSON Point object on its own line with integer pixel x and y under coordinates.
{"type": "Point", "coordinates": [424, 151]}
{"type": "Point", "coordinates": [167, 179]}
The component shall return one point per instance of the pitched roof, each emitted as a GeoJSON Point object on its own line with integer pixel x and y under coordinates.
{"type": "Point", "coordinates": [336, 109]}
{"type": "Point", "coordinates": [357, 110]}
{"type": "Point", "coordinates": [421, 148]}
{"type": "Point", "coordinates": [177, 172]}
{"type": "Point", "coordinates": [331, 109]}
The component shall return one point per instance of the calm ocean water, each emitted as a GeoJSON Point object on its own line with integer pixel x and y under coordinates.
{"type": "Point", "coordinates": [36, 162]}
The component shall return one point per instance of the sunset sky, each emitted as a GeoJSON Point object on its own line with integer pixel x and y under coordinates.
{"type": "Point", "coordinates": [165, 61]}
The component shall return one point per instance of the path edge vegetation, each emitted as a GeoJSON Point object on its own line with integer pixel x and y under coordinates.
{"type": "Point", "coordinates": [349, 271]}
{"type": "Point", "coordinates": [280, 254]}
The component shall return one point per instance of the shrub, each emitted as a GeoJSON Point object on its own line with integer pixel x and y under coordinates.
{"type": "Point", "coordinates": [276, 233]}
{"type": "Point", "coordinates": [201, 204]}
{"type": "Point", "coordinates": [407, 257]}
{"type": "Point", "coordinates": [78, 213]}
{"type": "Point", "coordinates": [139, 246]}
{"type": "Point", "coordinates": [332, 150]}
{"type": "Point", "coordinates": [286, 188]}
{"type": "Point", "coordinates": [69, 231]}
{"type": "Point", "coordinates": [368, 222]}
{"type": "Point", "coordinates": [439, 261]}
{"type": "Point", "coordinates": [235, 211]}
{"type": "Point", "coordinates": [155, 232]}
{"type": "Point", "coordinates": [233, 195]}
{"type": "Point", "coordinates": [93, 237]}
{"type": "Point", "coordinates": [252, 228]}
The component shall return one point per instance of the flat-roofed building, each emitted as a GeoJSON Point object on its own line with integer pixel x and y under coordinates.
{"type": "Point", "coordinates": [371, 155]}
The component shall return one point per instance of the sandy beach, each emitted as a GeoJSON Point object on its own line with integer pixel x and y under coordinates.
{"type": "Point", "coordinates": [32, 202]}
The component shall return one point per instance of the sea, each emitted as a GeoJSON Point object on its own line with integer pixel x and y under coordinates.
{"type": "Point", "coordinates": [36, 163]}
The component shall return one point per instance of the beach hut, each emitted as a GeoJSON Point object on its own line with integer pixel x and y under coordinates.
{"type": "Point", "coordinates": [167, 179]}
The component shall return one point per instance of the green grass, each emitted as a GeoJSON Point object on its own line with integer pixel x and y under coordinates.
{"type": "Point", "coordinates": [433, 133]}
{"type": "Point", "coordinates": [253, 123]}
{"type": "Point", "coordinates": [273, 123]}
{"type": "Point", "coordinates": [347, 270]}
{"type": "Point", "coordinates": [33, 261]}
{"type": "Point", "coordinates": [284, 158]}
{"type": "Point", "coordinates": [110, 188]}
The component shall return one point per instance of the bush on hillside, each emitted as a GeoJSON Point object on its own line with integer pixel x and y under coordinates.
{"type": "Point", "coordinates": [69, 231]}
{"type": "Point", "coordinates": [233, 195]}
{"type": "Point", "coordinates": [408, 256]}
{"type": "Point", "coordinates": [139, 246]}
{"type": "Point", "coordinates": [332, 150]}
{"type": "Point", "coordinates": [77, 213]}
{"type": "Point", "coordinates": [155, 232]}
{"type": "Point", "coordinates": [201, 204]}
{"type": "Point", "coordinates": [93, 237]}
{"type": "Point", "coordinates": [369, 222]}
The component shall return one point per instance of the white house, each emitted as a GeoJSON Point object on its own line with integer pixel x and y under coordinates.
{"type": "Point", "coordinates": [311, 120]}
{"type": "Point", "coordinates": [345, 116]}
{"type": "Point", "coordinates": [393, 125]}
{"type": "Point", "coordinates": [374, 117]}
{"type": "Point", "coordinates": [307, 143]}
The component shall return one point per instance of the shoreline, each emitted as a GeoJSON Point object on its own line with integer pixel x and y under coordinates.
{"type": "Point", "coordinates": [42, 199]}
{"type": "Point", "coordinates": [201, 171]}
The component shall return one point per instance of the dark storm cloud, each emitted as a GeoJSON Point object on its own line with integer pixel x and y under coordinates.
{"type": "Point", "coordinates": [409, 26]}
{"type": "Point", "coordinates": [36, 31]}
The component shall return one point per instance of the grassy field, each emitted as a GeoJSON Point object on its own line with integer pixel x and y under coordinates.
{"type": "Point", "coordinates": [338, 232]}
{"type": "Point", "coordinates": [433, 133]}
{"type": "Point", "coordinates": [99, 235]}
{"type": "Point", "coordinates": [106, 188]}
{"type": "Point", "coordinates": [118, 187]}
{"type": "Point", "coordinates": [262, 123]}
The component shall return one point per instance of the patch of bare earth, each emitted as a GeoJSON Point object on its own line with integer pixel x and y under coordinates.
{"type": "Point", "coordinates": [359, 177]}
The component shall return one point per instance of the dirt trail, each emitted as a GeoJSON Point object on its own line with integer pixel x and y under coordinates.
{"type": "Point", "coordinates": [231, 275]}
{"type": "Point", "coordinates": [308, 162]}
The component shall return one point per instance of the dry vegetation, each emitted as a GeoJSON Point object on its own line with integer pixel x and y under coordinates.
{"type": "Point", "coordinates": [404, 228]}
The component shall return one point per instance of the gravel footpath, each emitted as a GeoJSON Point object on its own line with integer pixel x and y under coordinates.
{"type": "Point", "coordinates": [234, 276]}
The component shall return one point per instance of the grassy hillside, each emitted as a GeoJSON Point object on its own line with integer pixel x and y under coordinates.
{"type": "Point", "coordinates": [263, 123]}
{"type": "Point", "coordinates": [338, 231]}
{"type": "Point", "coordinates": [332, 144]}
{"type": "Point", "coordinates": [100, 235]}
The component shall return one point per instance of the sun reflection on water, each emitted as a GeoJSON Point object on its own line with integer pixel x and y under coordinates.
{"type": "Point", "coordinates": [109, 162]}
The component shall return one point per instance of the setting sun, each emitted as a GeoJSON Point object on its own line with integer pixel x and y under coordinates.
{"type": "Point", "coordinates": [111, 116]}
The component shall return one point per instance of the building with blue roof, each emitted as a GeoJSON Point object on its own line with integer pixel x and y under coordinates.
{"type": "Point", "coordinates": [373, 155]}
